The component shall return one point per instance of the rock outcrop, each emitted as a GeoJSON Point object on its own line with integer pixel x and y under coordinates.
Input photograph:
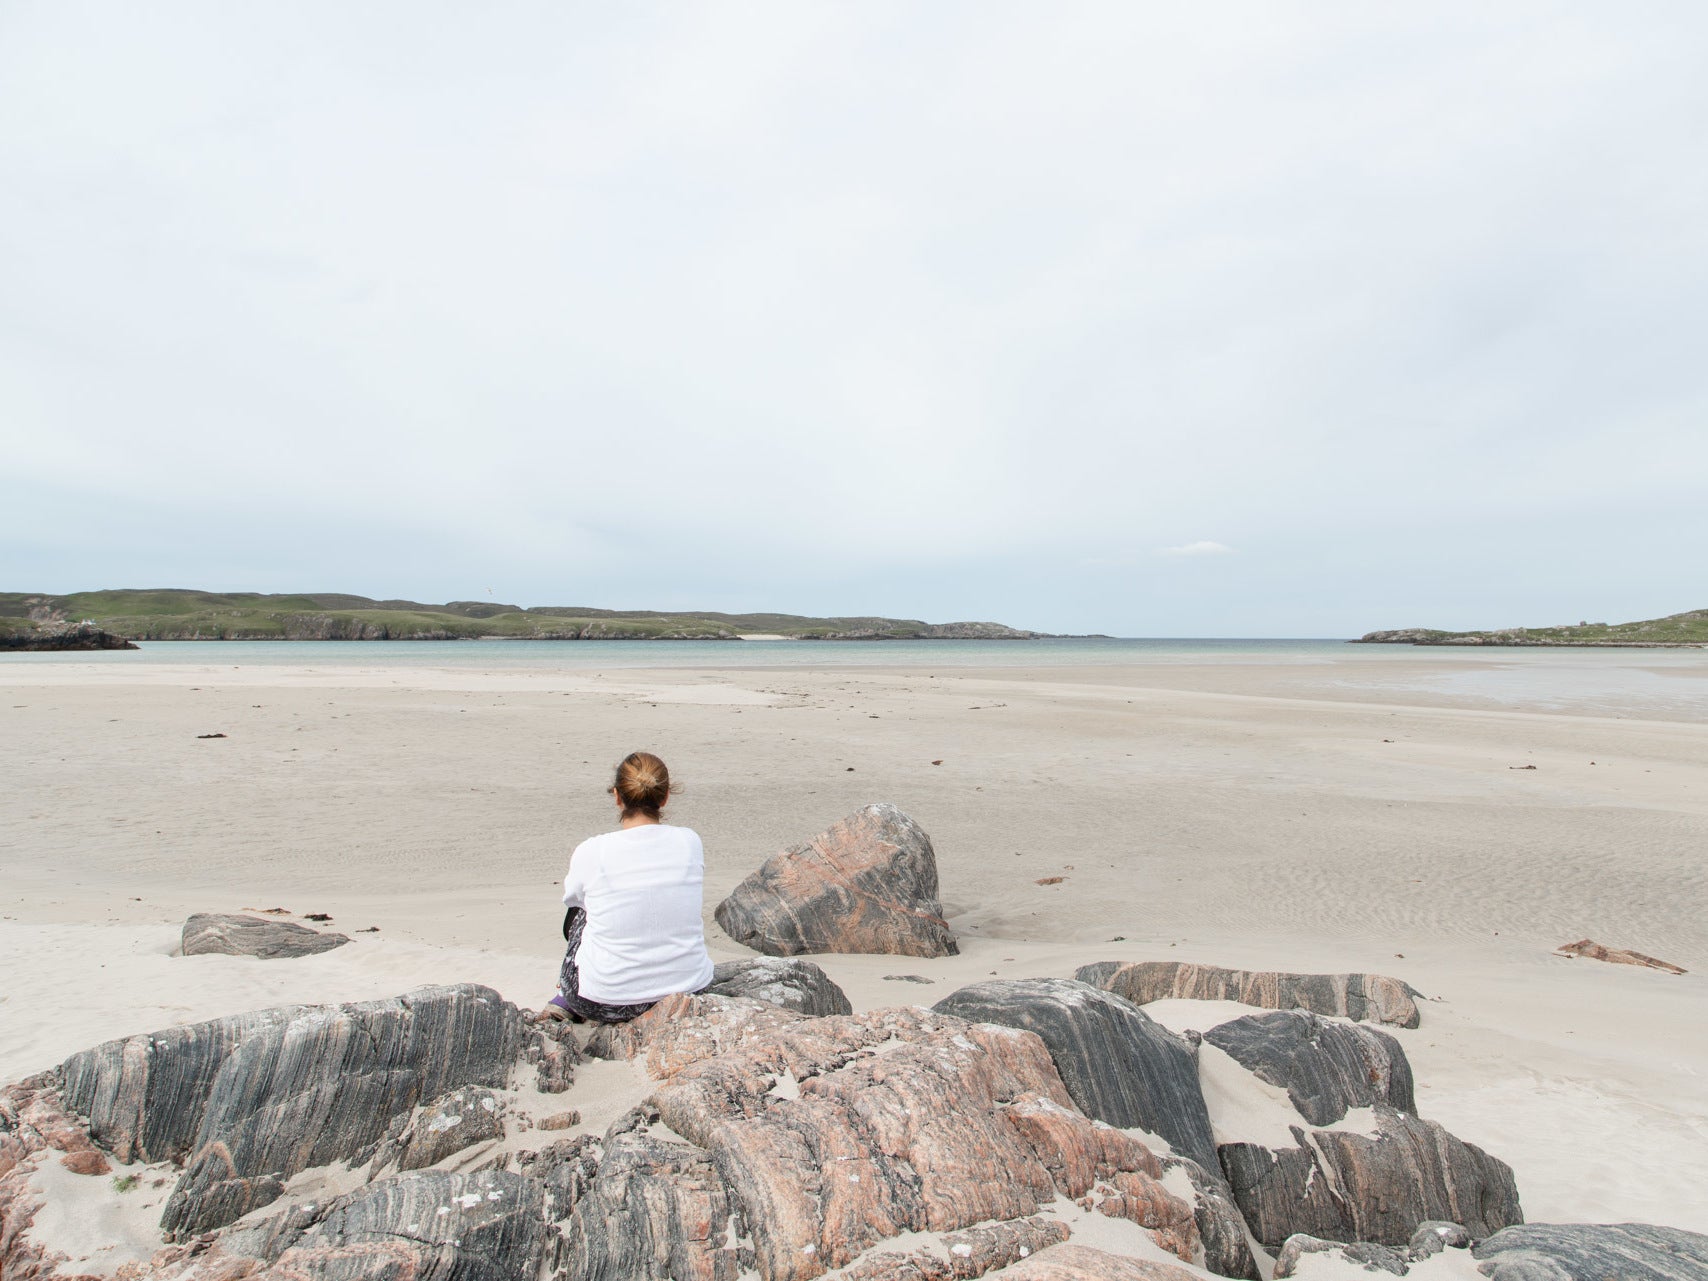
{"type": "Point", "coordinates": [1593, 1252]}
{"type": "Point", "coordinates": [78, 636]}
{"type": "Point", "coordinates": [34, 1128]}
{"type": "Point", "coordinates": [228, 935]}
{"type": "Point", "coordinates": [486, 1226]}
{"type": "Point", "coordinates": [835, 1134]}
{"type": "Point", "coordinates": [894, 1145]}
{"type": "Point", "coordinates": [1384, 1186]}
{"type": "Point", "coordinates": [449, 1124]}
{"type": "Point", "coordinates": [1327, 1068]}
{"type": "Point", "coordinates": [1341, 1185]}
{"type": "Point", "coordinates": [655, 1208]}
{"type": "Point", "coordinates": [1221, 1227]}
{"type": "Point", "coordinates": [1119, 1065]}
{"type": "Point", "coordinates": [1373, 997]}
{"type": "Point", "coordinates": [867, 884]}
{"type": "Point", "coordinates": [248, 1101]}
{"type": "Point", "coordinates": [789, 982]}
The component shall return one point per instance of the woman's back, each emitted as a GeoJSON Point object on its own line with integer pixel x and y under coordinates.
{"type": "Point", "coordinates": [642, 890]}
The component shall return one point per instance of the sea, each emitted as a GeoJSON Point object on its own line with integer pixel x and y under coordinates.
{"type": "Point", "coordinates": [1665, 683]}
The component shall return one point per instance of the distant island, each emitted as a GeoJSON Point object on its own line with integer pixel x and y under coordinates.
{"type": "Point", "coordinates": [33, 620]}
{"type": "Point", "coordinates": [1675, 631]}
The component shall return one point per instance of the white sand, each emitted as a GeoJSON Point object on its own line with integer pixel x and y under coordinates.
{"type": "Point", "coordinates": [1284, 817]}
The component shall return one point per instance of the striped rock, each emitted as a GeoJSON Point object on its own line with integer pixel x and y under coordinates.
{"type": "Point", "coordinates": [1326, 1068]}
{"type": "Point", "coordinates": [831, 1136]}
{"type": "Point", "coordinates": [1593, 1252]}
{"type": "Point", "coordinates": [1122, 1067]}
{"type": "Point", "coordinates": [789, 982]}
{"type": "Point", "coordinates": [866, 884]}
{"type": "Point", "coordinates": [1119, 1064]}
{"type": "Point", "coordinates": [1372, 997]}
{"type": "Point", "coordinates": [486, 1226]}
{"type": "Point", "coordinates": [225, 935]}
{"type": "Point", "coordinates": [248, 1101]}
{"type": "Point", "coordinates": [1341, 1185]}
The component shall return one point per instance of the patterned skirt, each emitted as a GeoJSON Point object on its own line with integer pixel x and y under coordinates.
{"type": "Point", "coordinates": [569, 981]}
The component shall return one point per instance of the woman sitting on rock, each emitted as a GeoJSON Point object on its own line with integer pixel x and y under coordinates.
{"type": "Point", "coordinates": [634, 895]}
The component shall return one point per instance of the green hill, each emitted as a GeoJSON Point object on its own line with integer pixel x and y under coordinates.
{"type": "Point", "coordinates": [1687, 629]}
{"type": "Point", "coordinates": [178, 614]}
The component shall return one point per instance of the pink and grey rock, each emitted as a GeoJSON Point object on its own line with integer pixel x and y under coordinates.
{"type": "Point", "coordinates": [835, 1134]}
{"type": "Point", "coordinates": [1372, 997]}
{"type": "Point", "coordinates": [866, 884]}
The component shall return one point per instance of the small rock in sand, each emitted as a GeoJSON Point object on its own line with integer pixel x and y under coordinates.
{"type": "Point", "coordinates": [87, 1162]}
{"type": "Point", "coordinates": [246, 936]}
{"type": "Point", "coordinates": [1618, 955]}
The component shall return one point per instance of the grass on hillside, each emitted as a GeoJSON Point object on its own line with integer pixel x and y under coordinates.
{"type": "Point", "coordinates": [1689, 626]}
{"type": "Point", "coordinates": [179, 614]}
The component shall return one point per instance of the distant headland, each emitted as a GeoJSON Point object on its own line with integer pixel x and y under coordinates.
{"type": "Point", "coordinates": [1676, 631]}
{"type": "Point", "coordinates": [33, 620]}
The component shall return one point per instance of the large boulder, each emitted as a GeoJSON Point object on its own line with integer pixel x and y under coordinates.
{"type": "Point", "coordinates": [1119, 1064]}
{"type": "Point", "coordinates": [1327, 1068]}
{"type": "Point", "coordinates": [1373, 997]}
{"type": "Point", "coordinates": [249, 1101]}
{"type": "Point", "coordinates": [1342, 1185]}
{"type": "Point", "coordinates": [226, 935]}
{"type": "Point", "coordinates": [867, 884]}
{"type": "Point", "coordinates": [1593, 1252]}
{"type": "Point", "coordinates": [789, 982]}
{"type": "Point", "coordinates": [834, 1135]}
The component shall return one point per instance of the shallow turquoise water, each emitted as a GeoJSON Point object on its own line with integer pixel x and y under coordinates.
{"type": "Point", "coordinates": [1666, 683]}
{"type": "Point", "coordinates": [602, 654]}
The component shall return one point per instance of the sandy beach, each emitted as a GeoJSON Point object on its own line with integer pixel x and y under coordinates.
{"type": "Point", "coordinates": [1266, 817]}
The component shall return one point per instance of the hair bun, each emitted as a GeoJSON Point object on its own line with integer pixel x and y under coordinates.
{"type": "Point", "coordinates": [642, 785]}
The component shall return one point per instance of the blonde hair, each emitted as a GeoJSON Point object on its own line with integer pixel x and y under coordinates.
{"type": "Point", "coordinates": [642, 784]}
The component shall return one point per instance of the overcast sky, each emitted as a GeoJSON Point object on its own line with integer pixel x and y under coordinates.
{"type": "Point", "coordinates": [1190, 319]}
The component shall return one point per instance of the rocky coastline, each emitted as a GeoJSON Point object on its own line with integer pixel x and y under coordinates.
{"type": "Point", "coordinates": [78, 636]}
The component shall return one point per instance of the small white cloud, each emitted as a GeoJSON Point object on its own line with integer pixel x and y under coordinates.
{"type": "Point", "coordinates": [1201, 548]}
